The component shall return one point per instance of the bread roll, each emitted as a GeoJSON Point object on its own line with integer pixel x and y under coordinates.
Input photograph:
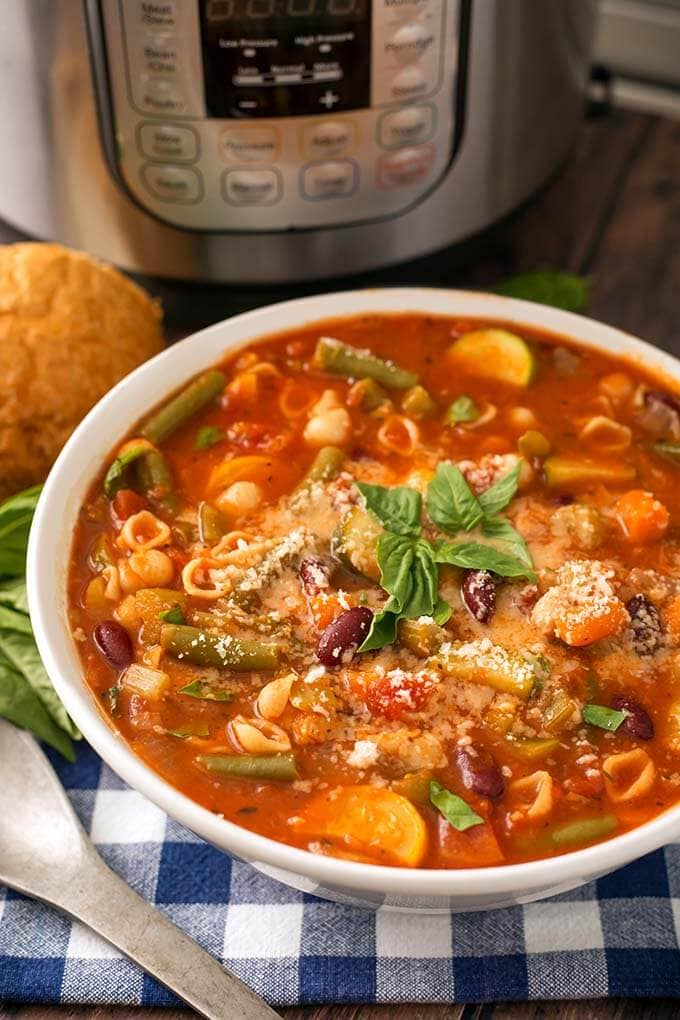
{"type": "Point", "coordinates": [70, 328]}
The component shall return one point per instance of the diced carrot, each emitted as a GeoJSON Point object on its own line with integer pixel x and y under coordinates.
{"type": "Point", "coordinates": [583, 625]}
{"type": "Point", "coordinates": [326, 605]}
{"type": "Point", "coordinates": [671, 617]}
{"type": "Point", "coordinates": [642, 517]}
{"type": "Point", "coordinates": [476, 847]}
{"type": "Point", "coordinates": [363, 822]}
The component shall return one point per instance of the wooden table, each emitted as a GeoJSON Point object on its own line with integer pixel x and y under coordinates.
{"type": "Point", "coordinates": [613, 213]}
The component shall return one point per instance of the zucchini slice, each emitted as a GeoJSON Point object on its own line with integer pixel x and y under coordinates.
{"type": "Point", "coordinates": [494, 354]}
{"type": "Point", "coordinates": [575, 471]}
{"type": "Point", "coordinates": [355, 542]}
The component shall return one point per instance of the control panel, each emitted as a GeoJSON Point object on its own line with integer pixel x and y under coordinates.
{"type": "Point", "coordinates": [263, 115]}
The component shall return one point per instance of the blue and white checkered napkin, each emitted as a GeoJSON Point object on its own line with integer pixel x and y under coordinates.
{"type": "Point", "coordinates": [619, 936]}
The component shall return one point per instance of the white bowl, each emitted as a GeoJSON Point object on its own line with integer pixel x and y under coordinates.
{"type": "Point", "coordinates": [48, 558]}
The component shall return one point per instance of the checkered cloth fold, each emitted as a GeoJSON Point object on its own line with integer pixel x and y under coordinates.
{"type": "Point", "coordinates": [617, 937]}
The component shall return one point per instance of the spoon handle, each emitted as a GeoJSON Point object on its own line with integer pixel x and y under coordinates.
{"type": "Point", "coordinates": [99, 898]}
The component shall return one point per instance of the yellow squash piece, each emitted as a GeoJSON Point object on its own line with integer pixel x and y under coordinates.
{"type": "Point", "coordinates": [577, 471]}
{"type": "Point", "coordinates": [366, 822]}
{"type": "Point", "coordinates": [494, 354]}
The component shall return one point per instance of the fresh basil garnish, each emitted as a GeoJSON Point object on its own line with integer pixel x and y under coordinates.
{"type": "Point", "coordinates": [16, 514]}
{"type": "Point", "coordinates": [173, 615]}
{"type": "Point", "coordinates": [461, 410]}
{"type": "Point", "coordinates": [499, 495]}
{"type": "Point", "coordinates": [205, 691]}
{"type": "Point", "coordinates": [115, 476]}
{"type": "Point", "coordinates": [606, 718]}
{"type": "Point", "coordinates": [475, 556]}
{"type": "Point", "coordinates": [451, 503]}
{"type": "Point", "coordinates": [208, 436]}
{"type": "Point", "coordinates": [410, 576]}
{"type": "Point", "coordinates": [549, 287]}
{"type": "Point", "coordinates": [453, 808]}
{"type": "Point", "coordinates": [397, 509]}
{"type": "Point", "coordinates": [500, 529]}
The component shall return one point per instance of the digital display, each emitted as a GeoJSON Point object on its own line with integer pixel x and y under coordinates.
{"type": "Point", "coordinates": [224, 10]}
{"type": "Point", "coordinates": [285, 58]}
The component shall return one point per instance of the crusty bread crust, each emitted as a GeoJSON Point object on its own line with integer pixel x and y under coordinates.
{"type": "Point", "coordinates": [70, 328]}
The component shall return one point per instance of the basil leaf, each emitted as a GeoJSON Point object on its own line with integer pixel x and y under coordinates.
{"type": "Point", "coordinates": [114, 478]}
{"type": "Point", "coordinates": [499, 495]}
{"type": "Point", "coordinates": [13, 594]}
{"type": "Point", "coordinates": [395, 557]}
{"type": "Point", "coordinates": [11, 620]}
{"type": "Point", "coordinates": [173, 615]}
{"type": "Point", "coordinates": [671, 451]}
{"type": "Point", "coordinates": [453, 808]}
{"type": "Point", "coordinates": [16, 515]}
{"type": "Point", "coordinates": [205, 691]}
{"type": "Point", "coordinates": [20, 705]}
{"type": "Point", "coordinates": [208, 436]}
{"type": "Point", "coordinates": [442, 612]}
{"type": "Point", "coordinates": [20, 652]}
{"type": "Point", "coordinates": [475, 556]}
{"type": "Point", "coordinates": [606, 718]}
{"type": "Point", "coordinates": [383, 632]}
{"type": "Point", "coordinates": [549, 287]}
{"type": "Point", "coordinates": [450, 502]}
{"type": "Point", "coordinates": [462, 409]}
{"type": "Point", "coordinates": [397, 509]}
{"type": "Point", "coordinates": [501, 530]}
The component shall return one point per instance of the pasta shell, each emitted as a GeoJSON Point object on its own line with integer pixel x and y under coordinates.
{"type": "Point", "coordinates": [258, 736]}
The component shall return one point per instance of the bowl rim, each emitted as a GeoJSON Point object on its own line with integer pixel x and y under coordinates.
{"type": "Point", "coordinates": [56, 515]}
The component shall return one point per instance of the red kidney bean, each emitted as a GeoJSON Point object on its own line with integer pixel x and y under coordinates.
{"type": "Point", "coordinates": [314, 575]}
{"type": "Point", "coordinates": [113, 643]}
{"type": "Point", "coordinates": [645, 625]}
{"type": "Point", "coordinates": [660, 414]}
{"type": "Point", "coordinates": [480, 773]}
{"type": "Point", "coordinates": [637, 723]}
{"type": "Point", "coordinates": [478, 592]}
{"type": "Point", "coordinates": [342, 637]}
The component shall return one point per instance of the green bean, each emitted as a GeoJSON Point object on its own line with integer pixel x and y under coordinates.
{"type": "Point", "coordinates": [220, 650]}
{"type": "Point", "coordinates": [367, 394]}
{"type": "Point", "coordinates": [583, 831]}
{"type": "Point", "coordinates": [340, 359]}
{"type": "Point", "coordinates": [325, 466]}
{"type": "Point", "coordinates": [418, 403]}
{"type": "Point", "coordinates": [177, 411]}
{"type": "Point", "coordinates": [246, 766]}
{"type": "Point", "coordinates": [156, 481]}
{"type": "Point", "coordinates": [211, 524]}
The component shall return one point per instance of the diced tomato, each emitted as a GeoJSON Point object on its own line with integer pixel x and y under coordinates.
{"type": "Point", "coordinates": [125, 503]}
{"type": "Point", "coordinates": [251, 436]}
{"type": "Point", "coordinates": [477, 847]}
{"type": "Point", "coordinates": [398, 693]}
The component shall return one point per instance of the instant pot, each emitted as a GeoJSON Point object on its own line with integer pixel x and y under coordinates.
{"type": "Point", "coordinates": [275, 141]}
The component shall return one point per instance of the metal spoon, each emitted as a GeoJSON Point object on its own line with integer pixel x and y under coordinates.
{"type": "Point", "coordinates": [45, 853]}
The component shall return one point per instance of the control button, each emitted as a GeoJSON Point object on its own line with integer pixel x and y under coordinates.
{"type": "Point", "coordinates": [161, 96]}
{"type": "Point", "coordinates": [406, 167]}
{"type": "Point", "coordinates": [409, 43]}
{"type": "Point", "coordinates": [407, 126]}
{"type": "Point", "coordinates": [172, 183]}
{"type": "Point", "coordinates": [409, 83]}
{"type": "Point", "coordinates": [328, 138]}
{"type": "Point", "coordinates": [167, 141]}
{"type": "Point", "coordinates": [251, 187]}
{"type": "Point", "coordinates": [329, 99]}
{"type": "Point", "coordinates": [161, 14]}
{"type": "Point", "coordinates": [405, 8]}
{"type": "Point", "coordinates": [249, 145]}
{"type": "Point", "coordinates": [336, 179]}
